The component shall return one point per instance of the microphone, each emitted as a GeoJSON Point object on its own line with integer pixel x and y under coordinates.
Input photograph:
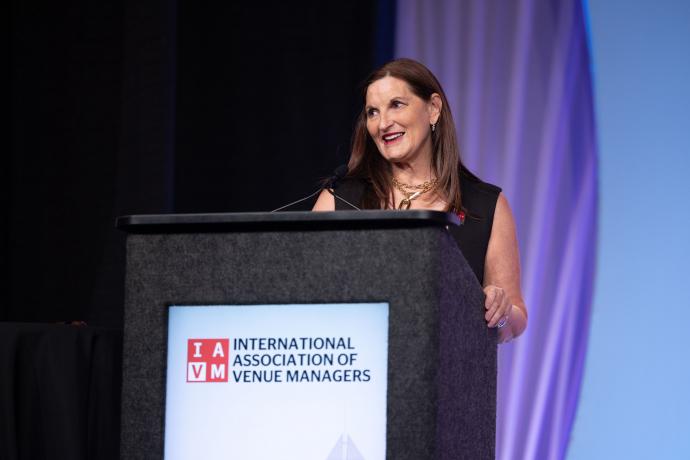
{"type": "Point", "coordinates": [329, 184]}
{"type": "Point", "coordinates": [339, 173]}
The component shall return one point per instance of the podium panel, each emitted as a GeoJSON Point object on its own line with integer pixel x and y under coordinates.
{"type": "Point", "coordinates": [306, 377]}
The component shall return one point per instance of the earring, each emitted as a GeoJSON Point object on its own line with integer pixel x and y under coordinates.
{"type": "Point", "coordinates": [433, 127]}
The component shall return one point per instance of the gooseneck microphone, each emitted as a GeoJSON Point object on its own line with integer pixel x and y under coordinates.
{"type": "Point", "coordinates": [339, 173]}
{"type": "Point", "coordinates": [329, 184]}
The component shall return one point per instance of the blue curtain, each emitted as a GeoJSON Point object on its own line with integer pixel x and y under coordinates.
{"type": "Point", "coordinates": [517, 75]}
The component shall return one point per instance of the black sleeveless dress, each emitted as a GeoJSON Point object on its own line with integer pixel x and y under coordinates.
{"type": "Point", "coordinates": [479, 200]}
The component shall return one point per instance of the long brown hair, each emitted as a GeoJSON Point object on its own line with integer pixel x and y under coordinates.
{"type": "Point", "coordinates": [367, 163]}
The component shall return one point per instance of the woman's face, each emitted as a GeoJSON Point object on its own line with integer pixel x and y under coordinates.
{"type": "Point", "coordinates": [399, 121]}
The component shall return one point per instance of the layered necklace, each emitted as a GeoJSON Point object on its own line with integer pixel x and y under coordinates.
{"type": "Point", "coordinates": [412, 192]}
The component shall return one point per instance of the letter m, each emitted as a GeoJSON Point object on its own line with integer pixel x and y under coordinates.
{"type": "Point", "coordinates": [218, 373]}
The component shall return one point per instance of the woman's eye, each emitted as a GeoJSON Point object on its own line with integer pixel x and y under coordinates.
{"type": "Point", "coordinates": [371, 112]}
{"type": "Point", "coordinates": [397, 104]}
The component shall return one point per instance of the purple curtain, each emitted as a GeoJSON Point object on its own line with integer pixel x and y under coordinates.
{"type": "Point", "coordinates": [517, 75]}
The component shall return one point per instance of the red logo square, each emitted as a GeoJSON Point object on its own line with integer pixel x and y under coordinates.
{"type": "Point", "coordinates": [207, 360]}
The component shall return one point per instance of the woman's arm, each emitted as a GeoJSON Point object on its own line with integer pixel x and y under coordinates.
{"type": "Point", "coordinates": [504, 302]}
{"type": "Point", "coordinates": [325, 202]}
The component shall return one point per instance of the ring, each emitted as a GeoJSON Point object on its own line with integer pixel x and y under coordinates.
{"type": "Point", "coordinates": [503, 321]}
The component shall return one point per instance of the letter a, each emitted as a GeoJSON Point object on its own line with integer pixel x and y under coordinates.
{"type": "Point", "coordinates": [218, 350]}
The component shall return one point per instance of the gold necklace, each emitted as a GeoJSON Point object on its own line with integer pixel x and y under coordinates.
{"type": "Point", "coordinates": [412, 192]}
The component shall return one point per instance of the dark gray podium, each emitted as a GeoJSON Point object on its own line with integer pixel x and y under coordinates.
{"type": "Point", "coordinates": [441, 395]}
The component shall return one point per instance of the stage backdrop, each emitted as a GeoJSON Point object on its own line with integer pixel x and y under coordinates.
{"type": "Point", "coordinates": [635, 402]}
{"type": "Point", "coordinates": [518, 81]}
{"type": "Point", "coordinates": [168, 106]}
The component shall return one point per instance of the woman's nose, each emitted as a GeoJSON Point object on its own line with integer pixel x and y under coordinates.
{"type": "Point", "coordinates": [384, 122]}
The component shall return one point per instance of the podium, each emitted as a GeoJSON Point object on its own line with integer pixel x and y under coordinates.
{"type": "Point", "coordinates": [440, 392]}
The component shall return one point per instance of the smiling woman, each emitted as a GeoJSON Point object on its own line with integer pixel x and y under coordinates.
{"type": "Point", "coordinates": [398, 121]}
{"type": "Point", "coordinates": [405, 156]}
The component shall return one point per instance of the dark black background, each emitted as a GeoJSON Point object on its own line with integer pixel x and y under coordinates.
{"type": "Point", "coordinates": [157, 107]}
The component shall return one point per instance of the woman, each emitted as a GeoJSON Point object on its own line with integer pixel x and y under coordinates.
{"type": "Point", "coordinates": [405, 156]}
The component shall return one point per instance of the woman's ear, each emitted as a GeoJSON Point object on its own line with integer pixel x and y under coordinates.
{"type": "Point", "coordinates": [435, 105]}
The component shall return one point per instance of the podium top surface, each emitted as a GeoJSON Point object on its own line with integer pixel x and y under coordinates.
{"type": "Point", "coordinates": [283, 221]}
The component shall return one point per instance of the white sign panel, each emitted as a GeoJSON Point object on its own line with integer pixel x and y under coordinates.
{"type": "Point", "coordinates": [281, 382]}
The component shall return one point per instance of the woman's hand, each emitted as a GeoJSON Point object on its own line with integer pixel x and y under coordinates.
{"type": "Point", "coordinates": [497, 306]}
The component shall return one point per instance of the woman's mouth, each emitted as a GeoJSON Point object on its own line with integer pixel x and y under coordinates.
{"type": "Point", "coordinates": [392, 137]}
